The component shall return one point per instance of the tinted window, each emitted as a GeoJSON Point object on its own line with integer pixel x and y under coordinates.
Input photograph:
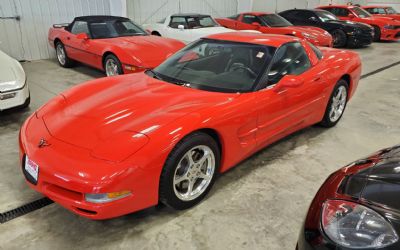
{"type": "Point", "coordinates": [326, 16]}
{"type": "Point", "coordinates": [216, 66]}
{"type": "Point", "coordinates": [80, 27]}
{"type": "Point", "coordinates": [250, 19]}
{"type": "Point", "coordinates": [289, 59]}
{"type": "Point", "coordinates": [317, 51]}
{"type": "Point", "coordinates": [274, 20]}
{"type": "Point", "coordinates": [117, 28]}
{"type": "Point", "coordinates": [339, 11]}
{"type": "Point", "coordinates": [360, 12]}
{"type": "Point", "coordinates": [290, 14]}
{"type": "Point", "coordinates": [176, 21]}
{"type": "Point", "coordinates": [193, 22]}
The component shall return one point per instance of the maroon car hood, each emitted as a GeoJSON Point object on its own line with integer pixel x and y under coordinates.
{"type": "Point", "coordinates": [98, 110]}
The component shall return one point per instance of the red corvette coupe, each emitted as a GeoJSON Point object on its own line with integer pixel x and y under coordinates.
{"type": "Point", "coordinates": [113, 44]}
{"type": "Point", "coordinates": [271, 23]}
{"type": "Point", "coordinates": [117, 145]}
{"type": "Point", "coordinates": [385, 28]}
{"type": "Point", "coordinates": [383, 11]}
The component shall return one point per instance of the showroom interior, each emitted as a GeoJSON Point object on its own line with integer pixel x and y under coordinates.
{"type": "Point", "coordinates": [91, 160]}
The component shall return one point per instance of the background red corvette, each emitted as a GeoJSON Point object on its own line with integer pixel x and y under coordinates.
{"type": "Point", "coordinates": [385, 28]}
{"type": "Point", "coordinates": [383, 11]}
{"type": "Point", "coordinates": [118, 136]}
{"type": "Point", "coordinates": [271, 23]}
{"type": "Point", "coordinates": [113, 44]}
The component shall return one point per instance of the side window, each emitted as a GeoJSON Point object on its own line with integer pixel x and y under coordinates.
{"type": "Point", "coordinates": [290, 15]}
{"type": "Point", "coordinates": [175, 21]}
{"type": "Point", "coordinates": [289, 59]}
{"type": "Point", "coordinates": [317, 51]}
{"type": "Point", "coordinates": [80, 27]}
{"type": "Point", "coordinates": [250, 19]}
{"type": "Point", "coordinates": [342, 12]}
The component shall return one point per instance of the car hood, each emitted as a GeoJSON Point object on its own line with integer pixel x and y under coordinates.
{"type": "Point", "coordinates": [149, 51]}
{"type": "Point", "coordinates": [308, 29]}
{"type": "Point", "coordinates": [12, 75]}
{"type": "Point", "coordinates": [96, 111]}
{"type": "Point", "coordinates": [384, 20]}
{"type": "Point", "coordinates": [379, 181]}
{"type": "Point", "coordinates": [349, 23]}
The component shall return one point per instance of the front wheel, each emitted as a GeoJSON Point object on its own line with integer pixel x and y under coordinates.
{"type": "Point", "coordinates": [112, 66]}
{"type": "Point", "coordinates": [377, 34]}
{"type": "Point", "coordinates": [339, 38]}
{"type": "Point", "coordinates": [336, 105]}
{"type": "Point", "coordinates": [189, 172]}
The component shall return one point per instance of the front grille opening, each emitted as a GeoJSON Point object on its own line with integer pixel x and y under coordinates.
{"type": "Point", "coordinates": [86, 211]}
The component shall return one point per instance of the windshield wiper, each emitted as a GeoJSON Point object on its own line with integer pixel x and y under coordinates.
{"type": "Point", "coordinates": [155, 75]}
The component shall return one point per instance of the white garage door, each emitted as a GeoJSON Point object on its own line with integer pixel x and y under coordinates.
{"type": "Point", "coordinates": [145, 11]}
{"type": "Point", "coordinates": [25, 38]}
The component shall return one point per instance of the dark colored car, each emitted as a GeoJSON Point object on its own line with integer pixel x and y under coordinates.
{"type": "Point", "coordinates": [358, 206]}
{"type": "Point", "coordinates": [344, 33]}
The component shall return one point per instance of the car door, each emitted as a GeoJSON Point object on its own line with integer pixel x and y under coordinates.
{"type": "Point", "coordinates": [75, 46]}
{"type": "Point", "coordinates": [298, 106]}
{"type": "Point", "coordinates": [173, 30]}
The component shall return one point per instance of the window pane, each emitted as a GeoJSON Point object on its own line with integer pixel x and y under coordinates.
{"type": "Point", "coordinates": [80, 27]}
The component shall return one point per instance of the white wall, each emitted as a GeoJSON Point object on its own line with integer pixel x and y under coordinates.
{"type": "Point", "coordinates": [394, 3]}
{"type": "Point", "coordinates": [27, 38]}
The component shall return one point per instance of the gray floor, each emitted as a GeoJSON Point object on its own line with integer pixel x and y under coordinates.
{"type": "Point", "coordinates": [260, 204]}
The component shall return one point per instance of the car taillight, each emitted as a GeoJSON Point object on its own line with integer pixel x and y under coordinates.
{"type": "Point", "coordinates": [353, 225]}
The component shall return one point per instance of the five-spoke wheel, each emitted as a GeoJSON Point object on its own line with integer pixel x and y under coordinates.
{"type": "Point", "coordinates": [336, 105]}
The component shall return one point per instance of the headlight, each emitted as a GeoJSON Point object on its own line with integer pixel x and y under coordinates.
{"type": "Point", "coordinates": [106, 197]}
{"type": "Point", "coordinates": [308, 36]}
{"type": "Point", "coordinates": [355, 226]}
{"type": "Point", "coordinates": [389, 27]}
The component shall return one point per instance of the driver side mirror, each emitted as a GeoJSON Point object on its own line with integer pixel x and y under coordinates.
{"type": "Point", "coordinates": [289, 81]}
{"type": "Point", "coordinates": [181, 27]}
{"type": "Point", "coordinates": [82, 36]}
{"type": "Point", "coordinates": [351, 15]}
{"type": "Point", "coordinates": [256, 25]}
{"type": "Point", "coordinates": [313, 19]}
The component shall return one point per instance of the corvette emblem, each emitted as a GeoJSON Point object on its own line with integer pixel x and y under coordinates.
{"type": "Point", "coordinates": [43, 143]}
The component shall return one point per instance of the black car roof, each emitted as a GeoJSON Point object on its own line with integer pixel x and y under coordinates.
{"type": "Point", "coordinates": [99, 18]}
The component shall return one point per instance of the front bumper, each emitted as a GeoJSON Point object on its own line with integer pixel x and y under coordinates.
{"type": "Point", "coordinates": [360, 39]}
{"type": "Point", "coordinates": [390, 35]}
{"type": "Point", "coordinates": [19, 98]}
{"type": "Point", "coordinates": [67, 173]}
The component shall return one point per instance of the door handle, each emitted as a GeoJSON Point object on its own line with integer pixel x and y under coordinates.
{"type": "Point", "coordinates": [316, 79]}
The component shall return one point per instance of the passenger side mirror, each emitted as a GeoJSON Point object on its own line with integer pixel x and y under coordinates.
{"type": "Point", "coordinates": [351, 15]}
{"type": "Point", "coordinates": [256, 25]}
{"type": "Point", "coordinates": [313, 19]}
{"type": "Point", "coordinates": [289, 81]}
{"type": "Point", "coordinates": [82, 36]}
{"type": "Point", "coordinates": [181, 27]}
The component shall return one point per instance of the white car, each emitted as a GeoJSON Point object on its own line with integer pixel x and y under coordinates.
{"type": "Point", "coordinates": [186, 27]}
{"type": "Point", "coordinates": [14, 90]}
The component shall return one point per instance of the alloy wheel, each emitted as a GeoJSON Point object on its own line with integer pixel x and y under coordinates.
{"type": "Point", "coordinates": [338, 104]}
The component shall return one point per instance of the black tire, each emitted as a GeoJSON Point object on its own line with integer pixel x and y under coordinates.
{"type": "Point", "coordinates": [155, 33]}
{"type": "Point", "coordinates": [327, 121]}
{"type": "Point", "coordinates": [167, 193]}
{"type": "Point", "coordinates": [67, 62]}
{"type": "Point", "coordinates": [377, 35]}
{"type": "Point", "coordinates": [339, 38]}
{"type": "Point", "coordinates": [112, 58]}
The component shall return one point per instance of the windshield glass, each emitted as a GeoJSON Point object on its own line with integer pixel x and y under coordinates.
{"type": "Point", "coordinates": [326, 16]}
{"type": "Point", "coordinates": [360, 12]}
{"type": "Point", "coordinates": [390, 10]}
{"type": "Point", "coordinates": [274, 20]}
{"type": "Point", "coordinates": [215, 65]}
{"type": "Point", "coordinates": [114, 28]}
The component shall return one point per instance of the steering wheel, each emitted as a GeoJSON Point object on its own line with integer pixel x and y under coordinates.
{"type": "Point", "coordinates": [237, 66]}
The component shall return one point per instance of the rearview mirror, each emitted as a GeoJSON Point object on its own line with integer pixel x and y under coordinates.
{"type": "Point", "coordinates": [289, 81]}
{"type": "Point", "coordinates": [181, 27]}
{"type": "Point", "coordinates": [256, 25]}
{"type": "Point", "coordinates": [82, 36]}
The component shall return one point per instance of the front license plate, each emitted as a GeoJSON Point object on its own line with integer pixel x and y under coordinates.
{"type": "Point", "coordinates": [31, 168]}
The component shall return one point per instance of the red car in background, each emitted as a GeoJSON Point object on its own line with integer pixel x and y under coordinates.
{"type": "Point", "coordinates": [271, 23]}
{"type": "Point", "coordinates": [113, 44]}
{"type": "Point", "coordinates": [116, 145]}
{"type": "Point", "coordinates": [384, 11]}
{"type": "Point", "coordinates": [385, 28]}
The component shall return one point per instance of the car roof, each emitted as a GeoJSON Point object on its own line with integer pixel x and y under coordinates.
{"type": "Point", "coordinates": [99, 18]}
{"type": "Point", "coordinates": [189, 15]}
{"type": "Point", "coordinates": [254, 38]}
{"type": "Point", "coordinates": [257, 13]}
{"type": "Point", "coordinates": [374, 6]}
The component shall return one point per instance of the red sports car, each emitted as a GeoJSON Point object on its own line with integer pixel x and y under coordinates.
{"type": "Point", "coordinates": [113, 44]}
{"type": "Point", "coordinates": [271, 23]}
{"type": "Point", "coordinates": [385, 28]}
{"type": "Point", "coordinates": [383, 11]}
{"type": "Point", "coordinates": [116, 145]}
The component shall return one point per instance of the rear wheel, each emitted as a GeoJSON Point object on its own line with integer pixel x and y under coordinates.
{"type": "Point", "coordinates": [336, 105]}
{"type": "Point", "coordinates": [62, 56]}
{"type": "Point", "coordinates": [377, 35]}
{"type": "Point", "coordinates": [189, 171]}
{"type": "Point", "coordinates": [339, 38]}
{"type": "Point", "coordinates": [112, 66]}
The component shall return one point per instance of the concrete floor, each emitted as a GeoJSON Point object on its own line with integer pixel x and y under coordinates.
{"type": "Point", "coordinates": [260, 204]}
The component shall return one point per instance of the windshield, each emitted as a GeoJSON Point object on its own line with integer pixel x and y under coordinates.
{"type": "Point", "coordinates": [360, 12]}
{"type": "Point", "coordinates": [274, 20]}
{"type": "Point", "coordinates": [326, 16]}
{"type": "Point", "coordinates": [215, 65]}
{"type": "Point", "coordinates": [114, 28]}
{"type": "Point", "coordinates": [390, 10]}
{"type": "Point", "coordinates": [193, 22]}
